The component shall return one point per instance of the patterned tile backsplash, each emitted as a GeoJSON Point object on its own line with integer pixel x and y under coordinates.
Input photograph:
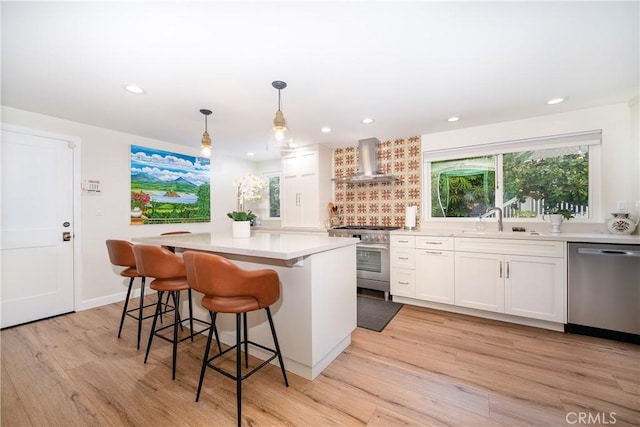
{"type": "Point", "coordinates": [381, 204]}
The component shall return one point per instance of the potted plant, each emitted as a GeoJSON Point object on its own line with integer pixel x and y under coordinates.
{"type": "Point", "coordinates": [556, 216]}
{"type": "Point", "coordinates": [241, 226]}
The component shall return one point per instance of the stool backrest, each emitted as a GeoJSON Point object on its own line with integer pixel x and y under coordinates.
{"type": "Point", "coordinates": [214, 275]}
{"type": "Point", "coordinates": [121, 253]}
{"type": "Point", "coordinates": [157, 262]}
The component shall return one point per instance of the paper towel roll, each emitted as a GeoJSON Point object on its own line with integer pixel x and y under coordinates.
{"type": "Point", "coordinates": [410, 217]}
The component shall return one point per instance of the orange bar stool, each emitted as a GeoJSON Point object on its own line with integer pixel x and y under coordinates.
{"type": "Point", "coordinates": [229, 289]}
{"type": "Point", "coordinates": [121, 255]}
{"type": "Point", "coordinates": [168, 272]}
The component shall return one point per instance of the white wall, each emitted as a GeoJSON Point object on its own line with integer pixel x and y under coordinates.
{"type": "Point", "coordinates": [105, 157]}
{"type": "Point", "coordinates": [620, 149]}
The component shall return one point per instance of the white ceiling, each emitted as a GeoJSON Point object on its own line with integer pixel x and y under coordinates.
{"type": "Point", "coordinates": [409, 65]}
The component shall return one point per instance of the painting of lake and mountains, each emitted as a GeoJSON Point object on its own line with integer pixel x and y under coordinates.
{"type": "Point", "coordinates": [169, 188]}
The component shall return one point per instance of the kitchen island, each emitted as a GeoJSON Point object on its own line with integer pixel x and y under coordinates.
{"type": "Point", "coordinates": [316, 312]}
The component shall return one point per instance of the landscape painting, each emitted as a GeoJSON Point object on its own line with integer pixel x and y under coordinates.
{"type": "Point", "coordinates": [168, 187]}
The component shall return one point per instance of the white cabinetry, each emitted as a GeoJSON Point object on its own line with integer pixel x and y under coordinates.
{"type": "Point", "coordinates": [523, 278]}
{"type": "Point", "coordinates": [434, 260]}
{"type": "Point", "coordinates": [479, 281]}
{"type": "Point", "coordinates": [403, 264]}
{"type": "Point", "coordinates": [306, 186]}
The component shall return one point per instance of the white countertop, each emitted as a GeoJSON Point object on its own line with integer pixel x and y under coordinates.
{"type": "Point", "coordinates": [562, 237]}
{"type": "Point", "coordinates": [266, 244]}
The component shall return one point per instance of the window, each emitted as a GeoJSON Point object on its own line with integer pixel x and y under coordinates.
{"type": "Point", "coordinates": [526, 178]}
{"type": "Point", "coordinates": [274, 196]}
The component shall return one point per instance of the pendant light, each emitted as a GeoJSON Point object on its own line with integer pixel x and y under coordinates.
{"type": "Point", "coordinates": [206, 139]}
{"type": "Point", "coordinates": [281, 138]}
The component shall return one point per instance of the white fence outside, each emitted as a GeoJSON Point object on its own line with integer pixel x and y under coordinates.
{"type": "Point", "coordinates": [536, 208]}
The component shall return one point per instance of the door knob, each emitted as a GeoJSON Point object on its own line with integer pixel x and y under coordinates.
{"type": "Point", "coordinates": [66, 236]}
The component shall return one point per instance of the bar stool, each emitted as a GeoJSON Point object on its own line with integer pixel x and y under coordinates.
{"type": "Point", "coordinates": [229, 289]}
{"type": "Point", "coordinates": [168, 272]}
{"type": "Point", "coordinates": [121, 255]}
{"type": "Point", "coordinates": [172, 249]}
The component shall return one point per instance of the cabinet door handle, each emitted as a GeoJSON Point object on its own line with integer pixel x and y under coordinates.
{"type": "Point", "coordinates": [507, 269]}
{"type": "Point", "coordinates": [501, 269]}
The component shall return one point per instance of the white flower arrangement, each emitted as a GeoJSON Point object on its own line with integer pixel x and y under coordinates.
{"type": "Point", "coordinates": [250, 188]}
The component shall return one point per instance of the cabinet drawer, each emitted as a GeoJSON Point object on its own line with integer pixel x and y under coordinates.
{"type": "Point", "coordinates": [510, 247]}
{"type": "Point", "coordinates": [434, 242]}
{"type": "Point", "coordinates": [403, 258]}
{"type": "Point", "coordinates": [403, 241]}
{"type": "Point", "coordinates": [403, 282]}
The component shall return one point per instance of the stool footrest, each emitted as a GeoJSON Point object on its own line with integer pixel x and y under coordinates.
{"type": "Point", "coordinates": [248, 374]}
{"type": "Point", "coordinates": [153, 304]}
{"type": "Point", "coordinates": [202, 322]}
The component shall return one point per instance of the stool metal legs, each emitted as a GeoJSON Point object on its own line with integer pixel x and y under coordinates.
{"type": "Point", "coordinates": [240, 343]}
{"type": "Point", "coordinates": [126, 311]}
{"type": "Point", "coordinates": [126, 305]}
{"type": "Point", "coordinates": [177, 323]}
{"type": "Point", "coordinates": [212, 331]}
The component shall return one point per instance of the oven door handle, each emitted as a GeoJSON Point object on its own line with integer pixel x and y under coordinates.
{"type": "Point", "coordinates": [370, 246]}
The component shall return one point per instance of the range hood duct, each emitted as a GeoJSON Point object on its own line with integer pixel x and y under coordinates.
{"type": "Point", "coordinates": [368, 171]}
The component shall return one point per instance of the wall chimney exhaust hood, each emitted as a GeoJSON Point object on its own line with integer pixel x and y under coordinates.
{"type": "Point", "coordinates": [368, 172]}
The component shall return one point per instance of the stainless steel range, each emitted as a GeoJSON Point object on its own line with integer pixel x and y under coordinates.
{"type": "Point", "coordinates": [372, 255]}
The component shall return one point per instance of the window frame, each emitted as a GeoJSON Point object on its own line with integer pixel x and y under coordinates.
{"type": "Point", "coordinates": [591, 138]}
{"type": "Point", "coordinates": [268, 176]}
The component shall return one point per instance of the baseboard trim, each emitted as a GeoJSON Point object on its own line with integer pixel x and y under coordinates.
{"type": "Point", "coordinates": [110, 299]}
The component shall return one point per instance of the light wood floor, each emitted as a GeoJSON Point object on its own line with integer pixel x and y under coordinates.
{"type": "Point", "coordinates": [425, 368]}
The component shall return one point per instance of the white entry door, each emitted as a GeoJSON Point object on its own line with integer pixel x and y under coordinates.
{"type": "Point", "coordinates": [37, 212]}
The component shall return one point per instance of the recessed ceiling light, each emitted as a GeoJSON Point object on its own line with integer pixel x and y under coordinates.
{"type": "Point", "coordinates": [367, 120]}
{"type": "Point", "coordinates": [133, 89]}
{"type": "Point", "coordinates": [325, 129]}
{"type": "Point", "coordinates": [555, 101]}
{"type": "Point", "coordinates": [453, 119]}
{"type": "Point", "coordinates": [250, 154]}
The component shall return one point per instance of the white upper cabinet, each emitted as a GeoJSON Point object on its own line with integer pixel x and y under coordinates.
{"type": "Point", "coordinates": [306, 186]}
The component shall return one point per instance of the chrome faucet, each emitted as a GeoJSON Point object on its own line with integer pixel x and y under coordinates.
{"type": "Point", "coordinates": [492, 210]}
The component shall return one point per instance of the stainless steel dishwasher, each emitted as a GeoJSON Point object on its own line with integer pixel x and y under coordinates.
{"type": "Point", "coordinates": [604, 290]}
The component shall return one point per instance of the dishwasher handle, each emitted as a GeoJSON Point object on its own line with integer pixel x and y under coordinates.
{"type": "Point", "coordinates": [616, 252]}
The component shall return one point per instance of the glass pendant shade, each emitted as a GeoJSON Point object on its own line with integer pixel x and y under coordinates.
{"type": "Point", "coordinates": [206, 139]}
{"type": "Point", "coordinates": [206, 145]}
{"type": "Point", "coordinates": [281, 137]}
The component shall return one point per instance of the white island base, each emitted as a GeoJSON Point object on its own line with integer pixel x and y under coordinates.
{"type": "Point", "coordinates": [316, 312]}
{"type": "Point", "coordinates": [314, 317]}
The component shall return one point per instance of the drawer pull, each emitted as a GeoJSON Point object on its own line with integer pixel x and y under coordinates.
{"type": "Point", "coordinates": [400, 257]}
{"type": "Point", "coordinates": [403, 241]}
{"type": "Point", "coordinates": [404, 283]}
{"type": "Point", "coordinates": [433, 243]}
{"type": "Point", "coordinates": [433, 252]}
